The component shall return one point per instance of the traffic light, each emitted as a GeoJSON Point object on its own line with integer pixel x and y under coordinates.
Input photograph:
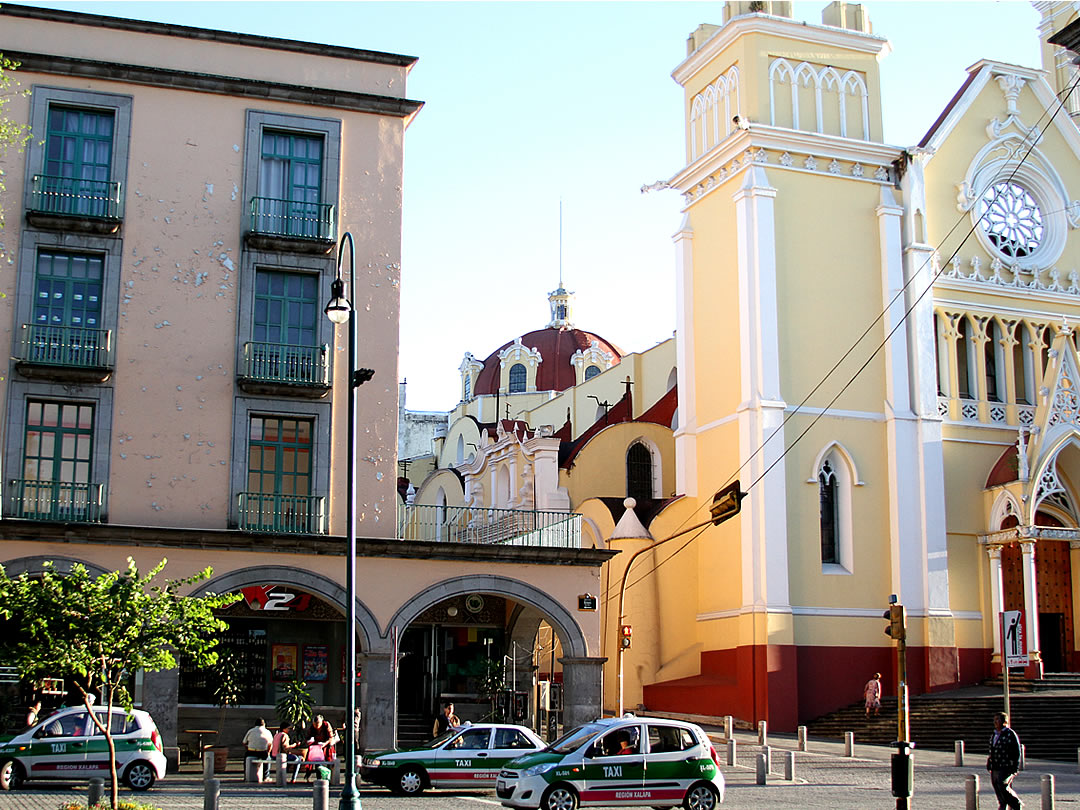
{"type": "Point", "coordinates": [726, 503]}
{"type": "Point", "coordinates": [897, 627]}
{"type": "Point", "coordinates": [625, 632]}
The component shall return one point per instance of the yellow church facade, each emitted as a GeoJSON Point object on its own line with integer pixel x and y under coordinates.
{"type": "Point", "coordinates": [877, 342]}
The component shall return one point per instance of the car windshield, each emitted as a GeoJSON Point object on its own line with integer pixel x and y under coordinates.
{"type": "Point", "coordinates": [446, 735]}
{"type": "Point", "coordinates": [575, 738]}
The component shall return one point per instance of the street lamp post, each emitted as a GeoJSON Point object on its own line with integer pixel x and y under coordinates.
{"type": "Point", "coordinates": [340, 310]}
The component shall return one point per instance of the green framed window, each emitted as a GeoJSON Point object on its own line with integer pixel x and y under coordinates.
{"type": "Point", "coordinates": [290, 183]}
{"type": "Point", "coordinates": [286, 308]}
{"type": "Point", "coordinates": [57, 460]}
{"type": "Point", "coordinates": [67, 289]}
{"type": "Point", "coordinates": [78, 160]}
{"type": "Point", "coordinates": [278, 496]}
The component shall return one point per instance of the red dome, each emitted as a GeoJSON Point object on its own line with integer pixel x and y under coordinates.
{"type": "Point", "coordinates": [556, 347]}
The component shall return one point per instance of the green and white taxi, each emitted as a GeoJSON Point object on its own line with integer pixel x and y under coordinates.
{"type": "Point", "coordinates": [468, 756]}
{"type": "Point", "coordinates": [618, 762]}
{"type": "Point", "coordinates": [68, 745]}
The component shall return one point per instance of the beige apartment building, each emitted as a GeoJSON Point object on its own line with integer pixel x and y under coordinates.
{"type": "Point", "coordinates": [175, 391]}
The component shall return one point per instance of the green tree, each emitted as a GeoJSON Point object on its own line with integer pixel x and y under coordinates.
{"type": "Point", "coordinates": [11, 133]}
{"type": "Point", "coordinates": [104, 629]}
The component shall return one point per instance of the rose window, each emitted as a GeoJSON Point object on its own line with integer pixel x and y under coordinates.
{"type": "Point", "coordinates": [1011, 219]}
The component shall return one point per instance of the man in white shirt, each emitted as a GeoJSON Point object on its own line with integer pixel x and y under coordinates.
{"type": "Point", "coordinates": [257, 742]}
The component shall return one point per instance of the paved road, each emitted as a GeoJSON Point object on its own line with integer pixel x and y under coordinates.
{"type": "Point", "coordinates": [825, 779]}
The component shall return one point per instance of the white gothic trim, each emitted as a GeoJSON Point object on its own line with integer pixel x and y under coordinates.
{"type": "Point", "coordinates": [827, 78]}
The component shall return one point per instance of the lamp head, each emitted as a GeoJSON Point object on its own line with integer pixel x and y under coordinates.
{"type": "Point", "coordinates": [339, 308]}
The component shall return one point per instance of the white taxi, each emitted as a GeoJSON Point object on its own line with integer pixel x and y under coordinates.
{"type": "Point", "coordinates": [622, 762]}
{"type": "Point", "coordinates": [68, 745]}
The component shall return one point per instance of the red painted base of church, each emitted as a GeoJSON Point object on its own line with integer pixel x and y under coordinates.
{"type": "Point", "coordinates": [789, 686]}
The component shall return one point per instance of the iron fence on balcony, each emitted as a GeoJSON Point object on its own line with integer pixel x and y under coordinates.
{"type": "Point", "coordinates": [281, 363]}
{"type": "Point", "coordinates": [72, 196]}
{"type": "Point", "coordinates": [281, 514]}
{"type": "Point", "coordinates": [69, 346]}
{"type": "Point", "coordinates": [57, 500]}
{"type": "Point", "coordinates": [508, 527]}
{"type": "Point", "coordinates": [293, 219]}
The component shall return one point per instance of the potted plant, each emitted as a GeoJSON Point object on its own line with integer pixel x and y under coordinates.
{"type": "Point", "coordinates": [226, 674]}
{"type": "Point", "coordinates": [295, 705]}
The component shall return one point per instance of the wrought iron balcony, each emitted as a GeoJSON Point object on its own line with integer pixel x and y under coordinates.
{"type": "Point", "coordinates": [69, 352]}
{"type": "Point", "coordinates": [281, 514]}
{"type": "Point", "coordinates": [508, 527]}
{"type": "Point", "coordinates": [292, 225]}
{"type": "Point", "coordinates": [57, 500]}
{"type": "Point", "coordinates": [89, 205]}
{"type": "Point", "coordinates": [279, 368]}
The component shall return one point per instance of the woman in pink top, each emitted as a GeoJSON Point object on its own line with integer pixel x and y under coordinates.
{"type": "Point", "coordinates": [872, 694]}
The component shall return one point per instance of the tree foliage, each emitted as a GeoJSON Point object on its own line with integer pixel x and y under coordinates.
{"type": "Point", "coordinates": [11, 133]}
{"type": "Point", "coordinates": [102, 630]}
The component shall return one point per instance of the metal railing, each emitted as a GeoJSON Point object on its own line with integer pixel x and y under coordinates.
{"type": "Point", "coordinates": [508, 527]}
{"type": "Point", "coordinates": [72, 196]}
{"type": "Point", "coordinates": [281, 514]}
{"type": "Point", "coordinates": [57, 500]}
{"type": "Point", "coordinates": [281, 363]}
{"type": "Point", "coordinates": [293, 219]}
{"type": "Point", "coordinates": [70, 346]}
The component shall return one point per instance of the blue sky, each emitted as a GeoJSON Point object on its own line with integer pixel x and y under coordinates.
{"type": "Point", "coordinates": [528, 103]}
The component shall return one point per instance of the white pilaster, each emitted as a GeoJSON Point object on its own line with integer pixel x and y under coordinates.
{"type": "Point", "coordinates": [686, 478]}
{"type": "Point", "coordinates": [764, 529]}
{"type": "Point", "coordinates": [997, 594]}
{"type": "Point", "coordinates": [1031, 596]}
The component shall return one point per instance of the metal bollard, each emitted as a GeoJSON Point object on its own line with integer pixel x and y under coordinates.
{"type": "Point", "coordinates": [1078, 760]}
{"type": "Point", "coordinates": [731, 752]}
{"type": "Point", "coordinates": [849, 743]}
{"type": "Point", "coordinates": [321, 795]}
{"type": "Point", "coordinates": [1047, 791]}
{"type": "Point", "coordinates": [971, 792]}
{"type": "Point", "coordinates": [208, 765]}
{"type": "Point", "coordinates": [212, 794]}
{"type": "Point", "coordinates": [762, 733]}
{"type": "Point", "coordinates": [804, 744]}
{"type": "Point", "coordinates": [762, 769]}
{"type": "Point", "coordinates": [789, 766]}
{"type": "Point", "coordinates": [282, 771]}
{"type": "Point", "coordinates": [729, 729]}
{"type": "Point", "coordinates": [767, 751]}
{"type": "Point", "coordinates": [958, 753]}
{"type": "Point", "coordinates": [1023, 757]}
{"type": "Point", "coordinates": [96, 791]}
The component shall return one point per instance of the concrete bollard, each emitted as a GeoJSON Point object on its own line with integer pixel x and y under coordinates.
{"type": "Point", "coordinates": [762, 769]}
{"type": "Point", "coordinates": [282, 771]}
{"type": "Point", "coordinates": [95, 792]}
{"type": "Point", "coordinates": [804, 744]}
{"type": "Point", "coordinates": [1078, 760]}
{"type": "Point", "coordinates": [849, 743]}
{"type": "Point", "coordinates": [212, 794]}
{"type": "Point", "coordinates": [321, 795]}
{"type": "Point", "coordinates": [731, 752]}
{"type": "Point", "coordinates": [971, 792]}
{"type": "Point", "coordinates": [1047, 791]}
{"type": "Point", "coordinates": [208, 765]}
{"type": "Point", "coordinates": [767, 751]}
{"type": "Point", "coordinates": [789, 766]}
{"type": "Point", "coordinates": [762, 733]}
{"type": "Point", "coordinates": [958, 753]}
{"type": "Point", "coordinates": [1023, 757]}
{"type": "Point", "coordinates": [729, 729]}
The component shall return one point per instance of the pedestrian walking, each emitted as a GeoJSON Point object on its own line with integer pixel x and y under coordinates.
{"type": "Point", "coordinates": [872, 694]}
{"type": "Point", "coordinates": [1004, 762]}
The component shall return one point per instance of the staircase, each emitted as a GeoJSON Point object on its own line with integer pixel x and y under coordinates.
{"type": "Point", "coordinates": [413, 730]}
{"type": "Point", "coordinates": [1048, 724]}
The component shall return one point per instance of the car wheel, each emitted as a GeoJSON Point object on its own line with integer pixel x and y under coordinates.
{"type": "Point", "coordinates": [559, 797]}
{"type": "Point", "coordinates": [11, 775]}
{"type": "Point", "coordinates": [411, 781]}
{"type": "Point", "coordinates": [701, 796]}
{"type": "Point", "coordinates": [140, 775]}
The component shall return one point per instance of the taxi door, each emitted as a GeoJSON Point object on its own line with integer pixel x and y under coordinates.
{"type": "Point", "coordinates": [60, 747]}
{"type": "Point", "coordinates": [462, 762]}
{"type": "Point", "coordinates": [615, 768]}
{"type": "Point", "coordinates": [124, 739]}
{"type": "Point", "coordinates": [672, 762]}
{"type": "Point", "coordinates": [507, 744]}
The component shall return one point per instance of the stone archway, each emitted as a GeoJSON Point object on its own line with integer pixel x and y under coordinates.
{"type": "Point", "coordinates": [32, 565]}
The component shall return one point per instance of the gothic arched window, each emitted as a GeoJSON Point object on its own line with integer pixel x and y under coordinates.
{"type": "Point", "coordinates": [518, 376]}
{"type": "Point", "coordinates": [639, 472]}
{"type": "Point", "coordinates": [830, 514]}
